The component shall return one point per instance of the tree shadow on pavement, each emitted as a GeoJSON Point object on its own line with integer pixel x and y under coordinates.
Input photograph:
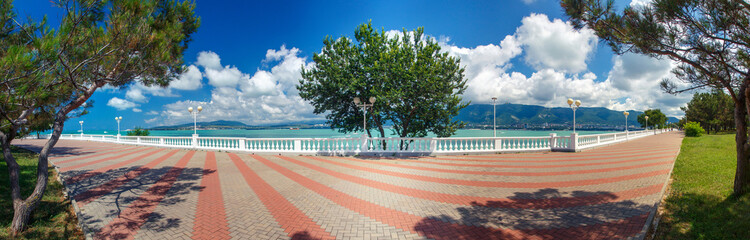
{"type": "Point", "coordinates": [123, 197]}
{"type": "Point", "coordinates": [546, 214]}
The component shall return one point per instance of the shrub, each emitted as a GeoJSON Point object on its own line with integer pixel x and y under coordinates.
{"type": "Point", "coordinates": [138, 131]}
{"type": "Point", "coordinates": [693, 129]}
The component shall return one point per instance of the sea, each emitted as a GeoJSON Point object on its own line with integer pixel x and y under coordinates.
{"type": "Point", "coordinates": [329, 133]}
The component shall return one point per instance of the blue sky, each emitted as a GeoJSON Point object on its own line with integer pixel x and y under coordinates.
{"type": "Point", "coordinates": [245, 59]}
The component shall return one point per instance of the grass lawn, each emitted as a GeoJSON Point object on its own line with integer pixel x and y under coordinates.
{"type": "Point", "coordinates": [700, 204]}
{"type": "Point", "coordinates": [53, 218]}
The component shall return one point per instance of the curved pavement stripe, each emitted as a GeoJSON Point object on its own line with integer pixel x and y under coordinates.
{"type": "Point", "coordinates": [540, 166]}
{"type": "Point", "coordinates": [513, 184]}
{"type": "Point", "coordinates": [287, 215]}
{"type": "Point", "coordinates": [555, 159]}
{"type": "Point", "coordinates": [210, 217]}
{"type": "Point", "coordinates": [104, 169]}
{"type": "Point", "coordinates": [504, 173]}
{"type": "Point", "coordinates": [94, 155]}
{"type": "Point", "coordinates": [80, 165]}
{"type": "Point", "coordinates": [93, 194]}
{"type": "Point", "coordinates": [489, 202]}
{"type": "Point", "coordinates": [443, 230]}
{"type": "Point", "coordinates": [130, 219]}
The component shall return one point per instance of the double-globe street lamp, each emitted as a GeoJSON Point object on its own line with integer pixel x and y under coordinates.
{"type": "Point", "coordinates": [195, 118]}
{"type": "Point", "coordinates": [646, 117]}
{"type": "Point", "coordinates": [574, 105]}
{"type": "Point", "coordinates": [364, 107]}
{"type": "Point", "coordinates": [626, 120]}
{"type": "Point", "coordinates": [81, 122]}
{"type": "Point", "coordinates": [494, 117]}
{"type": "Point", "coordinates": [118, 119]}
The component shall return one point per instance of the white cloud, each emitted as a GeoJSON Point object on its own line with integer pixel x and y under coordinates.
{"type": "Point", "coordinates": [136, 94]}
{"type": "Point", "coordinates": [223, 77]}
{"type": "Point", "coordinates": [152, 112]}
{"type": "Point", "coordinates": [137, 110]}
{"type": "Point", "coordinates": [121, 104]}
{"type": "Point", "coordinates": [189, 80]}
{"type": "Point", "coordinates": [632, 83]}
{"type": "Point", "coordinates": [209, 60]}
{"type": "Point", "coordinates": [528, 1]}
{"type": "Point", "coordinates": [266, 96]}
{"type": "Point", "coordinates": [555, 44]}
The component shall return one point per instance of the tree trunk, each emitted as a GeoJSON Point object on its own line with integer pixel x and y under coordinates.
{"type": "Point", "coordinates": [742, 174]}
{"type": "Point", "coordinates": [23, 208]}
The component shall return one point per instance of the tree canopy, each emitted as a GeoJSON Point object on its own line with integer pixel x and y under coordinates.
{"type": "Point", "coordinates": [714, 111]}
{"type": "Point", "coordinates": [708, 39]}
{"type": "Point", "coordinates": [48, 75]}
{"type": "Point", "coordinates": [417, 87]}
{"type": "Point", "coordinates": [656, 119]}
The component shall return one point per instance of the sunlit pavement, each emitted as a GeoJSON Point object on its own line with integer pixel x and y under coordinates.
{"type": "Point", "coordinates": [125, 191]}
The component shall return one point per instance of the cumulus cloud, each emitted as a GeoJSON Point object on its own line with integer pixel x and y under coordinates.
{"type": "Point", "coordinates": [209, 59]}
{"type": "Point", "coordinates": [555, 44]}
{"type": "Point", "coordinates": [560, 54]}
{"type": "Point", "coordinates": [121, 104]}
{"type": "Point", "coordinates": [137, 110]}
{"type": "Point", "coordinates": [189, 80]}
{"type": "Point", "coordinates": [263, 97]}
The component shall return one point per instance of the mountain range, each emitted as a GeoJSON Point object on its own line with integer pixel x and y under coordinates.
{"type": "Point", "coordinates": [480, 116]}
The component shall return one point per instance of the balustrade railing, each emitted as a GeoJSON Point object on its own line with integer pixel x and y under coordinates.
{"type": "Point", "coordinates": [350, 146]}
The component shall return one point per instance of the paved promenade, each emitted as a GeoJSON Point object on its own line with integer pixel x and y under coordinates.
{"type": "Point", "coordinates": [126, 192]}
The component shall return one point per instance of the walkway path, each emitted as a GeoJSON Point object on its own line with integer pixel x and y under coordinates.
{"type": "Point", "coordinates": [126, 192]}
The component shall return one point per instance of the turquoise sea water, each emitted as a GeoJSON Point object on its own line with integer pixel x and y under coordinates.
{"type": "Point", "coordinates": [326, 133]}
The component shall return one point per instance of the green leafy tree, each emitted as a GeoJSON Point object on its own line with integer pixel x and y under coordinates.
{"type": "Point", "coordinates": [417, 88]}
{"type": "Point", "coordinates": [713, 111]}
{"type": "Point", "coordinates": [139, 131]}
{"type": "Point", "coordinates": [656, 118]}
{"type": "Point", "coordinates": [708, 39]}
{"type": "Point", "coordinates": [98, 43]}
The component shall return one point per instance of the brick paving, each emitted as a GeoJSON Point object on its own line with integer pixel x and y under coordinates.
{"type": "Point", "coordinates": [135, 192]}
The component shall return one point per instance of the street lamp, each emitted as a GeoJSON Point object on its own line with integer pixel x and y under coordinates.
{"type": "Point", "coordinates": [118, 119]}
{"type": "Point", "coordinates": [574, 107]}
{"type": "Point", "coordinates": [646, 117]}
{"type": "Point", "coordinates": [626, 120]}
{"type": "Point", "coordinates": [81, 122]}
{"type": "Point", "coordinates": [195, 118]}
{"type": "Point", "coordinates": [364, 106]}
{"type": "Point", "coordinates": [494, 117]}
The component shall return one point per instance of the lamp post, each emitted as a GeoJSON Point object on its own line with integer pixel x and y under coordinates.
{"type": "Point", "coordinates": [364, 107]}
{"type": "Point", "coordinates": [494, 117]}
{"type": "Point", "coordinates": [195, 118]}
{"type": "Point", "coordinates": [81, 122]}
{"type": "Point", "coordinates": [574, 105]}
{"type": "Point", "coordinates": [646, 117]}
{"type": "Point", "coordinates": [626, 120]}
{"type": "Point", "coordinates": [118, 119]}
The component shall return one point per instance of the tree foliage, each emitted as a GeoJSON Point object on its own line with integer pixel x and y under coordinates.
{"type": "Point", "coordinates": [712, 110]}
{"type": "Point", "coordinates": [708, 39]}
{"type": "Point", "coordinates": [417, 88]}
{"type": "Point", "coordinates": [693, 129]}
{"type": "Point", "coordinates": [49, 75]}
{"type": "Point", "coordinates": [656, 119]}
{"type": "Point", "coordinates": [139, 131]}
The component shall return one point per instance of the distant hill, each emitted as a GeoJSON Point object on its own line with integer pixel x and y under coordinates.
{"type": "Point", "coordinates": [531, 116]}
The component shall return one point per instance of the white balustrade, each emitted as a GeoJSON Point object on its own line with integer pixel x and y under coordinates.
{"type": "Point", "coordinates": [351, 146]}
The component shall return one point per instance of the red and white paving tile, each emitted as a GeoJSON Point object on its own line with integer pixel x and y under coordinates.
{"type": "Point", "coordinates": [137, 192]}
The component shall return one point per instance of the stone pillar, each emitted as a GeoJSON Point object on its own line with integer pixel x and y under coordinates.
{"type": "Point", "coordinates": [195, 141]}
{"type": "Point", "coordinates": [573, 142]}
{"type": "Point", "coordinates": [552, 141]}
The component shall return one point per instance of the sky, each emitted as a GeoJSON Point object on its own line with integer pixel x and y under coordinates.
{"type": "Point", "coordinates": [245, 59]}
